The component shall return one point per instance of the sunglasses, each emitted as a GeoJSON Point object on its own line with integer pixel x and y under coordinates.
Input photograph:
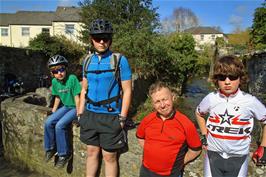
{"type": "Point", "coordinates": [98, 39]}
{"type": "Point", "coordinates": [222, 77]}
{"type": "Point", "coordinates": [62, 69]}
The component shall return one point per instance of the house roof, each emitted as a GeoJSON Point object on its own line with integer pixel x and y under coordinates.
{"type": "Point", "coordinates": [62, 14]}
{"type": "Point", "coordinates": [6, 19]}
{"type": "Point", "coordinates": [66, 14]}
{"type": "Point", "coordinates": [202, 30]}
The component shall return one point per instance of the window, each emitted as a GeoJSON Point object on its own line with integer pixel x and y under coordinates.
{"type": "Point", "coordinates": [202, 37]}
{"type": "Point", "coordinates": [4, 32]}
{"type": "Point", "coordinates": [25, 31]}
{"type": "Point", "coordinates": [46, 30]}
{"type": "Point", "coordinates": [213, 36]}
{"type": "Point", "coordinates": [69, 29]}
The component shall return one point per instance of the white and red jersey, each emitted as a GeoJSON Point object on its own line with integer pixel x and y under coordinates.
{"type": "Point", "coordinates": [230, 121]}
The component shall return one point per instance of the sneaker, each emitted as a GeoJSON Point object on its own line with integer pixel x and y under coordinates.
{"type": "Point", "coordinates": [62, 160]}
{"type": "Point", "coordinates": [49, 154]}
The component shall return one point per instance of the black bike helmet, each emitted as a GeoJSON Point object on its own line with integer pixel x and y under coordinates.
{"type": "Point", "coordinates": [57, 60]}
{"type": "Point", "coordinates": [101, 26]}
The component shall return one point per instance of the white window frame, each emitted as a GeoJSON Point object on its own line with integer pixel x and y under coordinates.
{"type": "Point", "coordinates": [25, 31]}
{"type": "Point", "coordinates": [4, 31]}
{"type": "Point", "coordinates": [69, 28]}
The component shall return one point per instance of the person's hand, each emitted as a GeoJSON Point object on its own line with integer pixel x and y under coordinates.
{"type": "Point", "coordinates": [259, 156]}
{"type": "Point", "coordinates": [204, 142]}
{"type": "Point", "coordinates": [49, 112]}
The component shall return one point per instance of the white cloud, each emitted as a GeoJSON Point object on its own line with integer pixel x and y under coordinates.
{"type": "Point", "coordinates": [236, 20]}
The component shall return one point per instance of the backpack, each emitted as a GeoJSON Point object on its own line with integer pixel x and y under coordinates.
{"type": "Point", "coordinates": [114, 62]}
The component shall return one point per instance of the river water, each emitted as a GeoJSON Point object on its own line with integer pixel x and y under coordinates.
{"type": "Point", "coordinates": [196, 90]}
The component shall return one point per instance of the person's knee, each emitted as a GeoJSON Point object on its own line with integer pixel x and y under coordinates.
{"type": "Point", "coordinates": [60, 126]}
{"type": "Point", "coordinates": [93, 152]}
{"type": "Point", "coordinates": [110, 158]}
{"type": "Point", "coordinates": [48, 123]}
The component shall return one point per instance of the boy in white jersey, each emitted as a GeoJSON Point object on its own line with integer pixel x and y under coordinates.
{"type": "Point", "coordinates": [227, 130]}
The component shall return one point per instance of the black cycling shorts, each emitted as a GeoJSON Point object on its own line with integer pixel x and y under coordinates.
{"type": "Point", "coordinates": [103, 130]}
{"type": "Point", "coordinates": [216, 166]}
{"type": "Point", "coordinates": [145, 172]}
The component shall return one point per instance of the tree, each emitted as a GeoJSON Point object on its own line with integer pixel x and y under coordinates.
{"type": "Point", "coordinates": [183, 59]}
{"type": "Point", "coordinates": [240, 41]}
{"type": "Point", "coordinates": [46, 43]}
{"type": "Point", "coordinates": [52, 45]}
{"type": "Point", "coordinates": [127, 16]}
{"type": "Point", "coordinates": [151, 55]}
{"type": "Point", "coordinates": [205, 56]}
{"type": "Point", "coordinates": [134, 22]}
{"type": "Point", "coordinates": [171, 58]}
{"type": "Point", "coordinates": [181, 19]}
{"type": "Point", "coordinates": [258, 29]}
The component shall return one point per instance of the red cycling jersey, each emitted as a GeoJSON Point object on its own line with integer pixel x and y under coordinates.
{"type": "Point", "coordinates": [166, 142]}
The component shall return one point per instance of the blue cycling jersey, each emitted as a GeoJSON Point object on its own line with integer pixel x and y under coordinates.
{"type": "Point", "coordinates": [100, 85]}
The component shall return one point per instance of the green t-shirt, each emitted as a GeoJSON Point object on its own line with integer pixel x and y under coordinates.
{"type": "Point", "coordinates": [67, 90]}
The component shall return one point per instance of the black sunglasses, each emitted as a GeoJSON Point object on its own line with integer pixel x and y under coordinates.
{"type": "Point", "coordinates": [55, 71]}
{"type": "Point", "coordinates": [98, 39]}
{"type": "Point", "coordinates": [222, 77]}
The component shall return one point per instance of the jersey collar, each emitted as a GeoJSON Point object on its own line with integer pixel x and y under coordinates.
{"type": "Point", "coordinates": [106, 54]}
{"type": "Point", "coordinates": [172, 115]}
{"type": "Point", "coordinates": [221, 93]}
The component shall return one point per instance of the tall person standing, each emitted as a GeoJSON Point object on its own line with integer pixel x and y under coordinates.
{"type": "Point", "coordinates": [105, 100]}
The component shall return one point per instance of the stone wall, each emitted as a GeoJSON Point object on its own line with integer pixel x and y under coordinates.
{"type": "Point", "coordinates": [24, 63]}
{"type": "Point", "coordinates": [256, 67]}
{"type": "Point", "coordinates": [23, 141]}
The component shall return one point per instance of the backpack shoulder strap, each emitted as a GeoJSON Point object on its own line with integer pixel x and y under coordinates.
{"type": "Point", "coordinates": [115, 62]}
{"type": "Point", "coordinates": [86, 62]}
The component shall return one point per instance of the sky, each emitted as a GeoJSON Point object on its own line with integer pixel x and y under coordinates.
{"type": "Point", "coordinates": [227, 14]}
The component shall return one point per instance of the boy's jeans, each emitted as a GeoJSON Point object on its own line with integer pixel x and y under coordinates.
{"type": "Point", "coordinates": [56, 130]}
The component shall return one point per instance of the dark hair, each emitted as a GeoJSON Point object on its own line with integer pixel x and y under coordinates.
{"type": "Point", "coordinates": [229, 65]}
